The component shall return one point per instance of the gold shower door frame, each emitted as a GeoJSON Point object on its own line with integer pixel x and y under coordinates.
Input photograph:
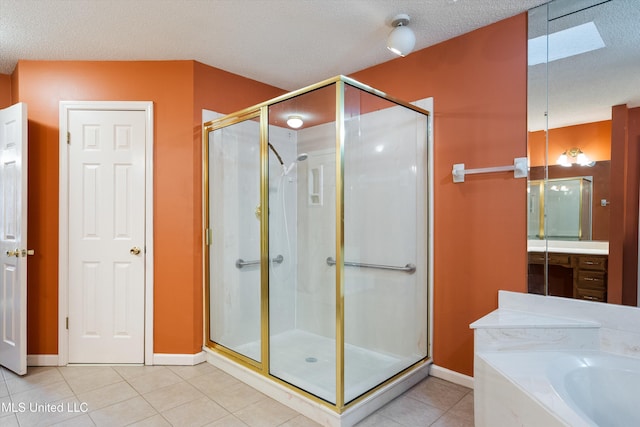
{"type": "Point", "coordinates": [261, 111]}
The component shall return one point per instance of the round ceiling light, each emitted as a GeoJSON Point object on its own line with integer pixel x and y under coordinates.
{"type": "Point", "coordinates": [294, 122]}
{"type": "Point", "coordinates": [401, 40]}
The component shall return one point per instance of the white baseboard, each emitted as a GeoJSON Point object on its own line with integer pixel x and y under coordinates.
{"type": "Point", "coordinates": [451, 376]}
{"type": "Point", "coordinates": [42, 360]}
{"type": "Point", "coordinates": [179, 359]}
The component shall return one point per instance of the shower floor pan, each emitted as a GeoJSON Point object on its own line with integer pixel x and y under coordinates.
{"type": "Point", "coordinates": [307, 361]}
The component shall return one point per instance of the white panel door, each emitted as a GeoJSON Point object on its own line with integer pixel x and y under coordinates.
{"type": "Point", "coordinates": [13, 238]}
{"type": "Point", "coordinates": [106, 236]}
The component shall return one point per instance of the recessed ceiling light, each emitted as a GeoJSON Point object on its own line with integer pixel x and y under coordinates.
{"type": "Point", "coordinates": [563, 44]}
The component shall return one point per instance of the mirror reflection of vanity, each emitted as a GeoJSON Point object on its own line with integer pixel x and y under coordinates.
{"type": "Point", "coordinates": [583, 149]}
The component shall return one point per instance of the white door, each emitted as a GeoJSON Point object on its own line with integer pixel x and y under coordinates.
{"type": "Point", "coordinates": [13, 238]}
{"type": "Point", "coordinates": [106, 235]}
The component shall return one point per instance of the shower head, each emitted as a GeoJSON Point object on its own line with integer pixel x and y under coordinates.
{"type": "Point", "coordinates": [301, 158]}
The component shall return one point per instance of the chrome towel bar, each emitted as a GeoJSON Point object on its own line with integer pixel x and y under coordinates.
{"type": "Point", "coordinates": [242, 263]}
{"type": "Point", "coordinates": [409, 268]}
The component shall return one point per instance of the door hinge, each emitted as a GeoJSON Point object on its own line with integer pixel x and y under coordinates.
{"type": "Point", "coordinates": [68, 138]}
{"type": "Point", "coordinates": [208, 236]}
{"type": "Point", "coordinates": [67, 323]}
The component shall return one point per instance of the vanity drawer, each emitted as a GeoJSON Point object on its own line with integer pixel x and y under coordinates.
{"type": "Point", "coordinates": [592, 280]}
{"type": "Point", "coordinates": [592, 263]}
{"type": "Point", "coordinates": [592, 295]}
{"type": "Point", "coordinates": [559, 259]}
{"type": "Point", "coordinates": [537, 257]}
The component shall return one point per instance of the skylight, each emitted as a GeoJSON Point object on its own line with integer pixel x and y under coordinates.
{"type": "Point", "coordinates": [563, 44]}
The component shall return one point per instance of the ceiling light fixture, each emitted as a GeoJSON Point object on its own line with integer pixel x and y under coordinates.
{"type": "Point", "coordinates": [294, 121]}
{"type": "Point", "coordinates": [401, 40]}
{"type": "Point", "coordinates": [574, 156]}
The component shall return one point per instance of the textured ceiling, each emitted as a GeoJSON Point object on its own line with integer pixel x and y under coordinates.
{"type": "Point", "coordinates": [583, 88]}
{"type": "Point", "coordinates": [286, 43]}
{"type": "Point", "coordinates": [292, 43]}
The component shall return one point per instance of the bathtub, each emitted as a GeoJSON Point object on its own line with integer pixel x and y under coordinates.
{"type": "Point", "coordinates": [602, 388]}
{"type": "Point", "coordinates": [557, 388]}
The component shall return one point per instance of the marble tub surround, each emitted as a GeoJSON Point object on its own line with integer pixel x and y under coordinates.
{"type": "Point", "coordinates": [512, 330]}
{"type": "Point", "coordinates": [511, 389]}
{"type": "Point", "coordinates": [517, 345]}
{"type": "Point", "coordinates": [619, 331]}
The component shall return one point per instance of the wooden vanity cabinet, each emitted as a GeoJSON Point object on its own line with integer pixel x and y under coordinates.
{"type": "Point", "coordinates": [579, 276]}
{"type": "Point", "coordinates": [590, 282]}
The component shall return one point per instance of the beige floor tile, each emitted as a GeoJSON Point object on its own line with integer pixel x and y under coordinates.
{"type": "Point", "coordinates": [300, 421]}
{"type": "Point", "coordinates": [150, 396]}
{"type": "Point", "coordinates": [81, 421]}
{"type": "Point", "coordinates": [155, 421]}
{"type": "Point", "coordinates": [36, 377]}
{"type": "Point", "coordinates": [50, 413]}
{"type": "Point", "coordinates": [123, 413]}
{"type": "Point", "coordinates": [228, 421]}
{"type": "Point", "coordinates": [44, 394]}
{"type": "Point", "coordinates": [195, 413]}
{"type": "Point", "coordinates": [4, 391]}
{"type": "Point", "coordinates": [410, 412]}
{"type": "Point", "coordinates": [213, 383]}
{"type": "Point", "coordinates": [464, 408]}
{"type": "Point", "coordinates": [9, 421]}
{"type": "Point", "coordinates": [188, 372]}
{"type": "Point", "coordinates": [87, 378]}
{"type": "Point", "coordinates": [377, 420]}
{"type": "Point", "coordinates": [130, 372]}
{"type": "Point", "coordinates": [107, 395]}
{"type": "Point", "coordinates": [75, 371]}
{"type": "Point", "coordinates": [453, 420]}
{"type": "Point", "coordinates": [31, 371]}
{"type": "Point", "coordinates": [439, 393]}
{"type": "Point", "coordinates": [154, 380]}
{"type": "Point", "coordinates": [6, 407]}
{"type": "Point", "coordinates": [237, 396]}
{"type": "Point", "coordinates": [172, 395]}
{"type": "Point", "coordinates": [266, 413]}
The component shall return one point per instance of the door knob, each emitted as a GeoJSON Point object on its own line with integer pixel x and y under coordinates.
{"type": "Point", "coordinates": [15, 253]}
{"type": "Point", "coordinates": [21, 253]}
{"type": "Point", "coordinates": [135, 250]}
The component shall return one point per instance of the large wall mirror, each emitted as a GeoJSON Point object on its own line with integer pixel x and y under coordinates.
{"type": "Point", "coordinates": [584, 149]}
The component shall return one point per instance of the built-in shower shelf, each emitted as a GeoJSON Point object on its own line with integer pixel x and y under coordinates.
{"type": "Point", "coordinates": [316, 178]}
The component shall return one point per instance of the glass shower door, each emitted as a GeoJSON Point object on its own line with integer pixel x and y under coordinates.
{"type": "Point", "coordinates": [234, 238]}
{"type": "Point", "coordinates": [302, 230]}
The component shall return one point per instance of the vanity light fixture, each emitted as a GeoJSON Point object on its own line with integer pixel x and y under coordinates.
{"type": "Point", "coordinates": [294, 121]}
{"type": "Point", "coordinates": [401, 40]}
{"type": "Point", "coordinates": [574, 156]}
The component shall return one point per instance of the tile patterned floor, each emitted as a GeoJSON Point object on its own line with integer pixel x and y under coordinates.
{"type": "Point", "coordinates": [199, 395]}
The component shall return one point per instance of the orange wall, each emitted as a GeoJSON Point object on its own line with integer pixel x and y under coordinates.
{"type": "Point", "coordinates": [5, 90]}
{"type": "Point", "coordinates": [594, 139]}
{"type": "Point", "coordinates": [479, 85]}
{"type": "Point", "coordinates": [177, 175]}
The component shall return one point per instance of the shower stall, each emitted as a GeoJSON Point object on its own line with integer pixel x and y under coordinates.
{"type": "Point", "coordinates": [316, 241]}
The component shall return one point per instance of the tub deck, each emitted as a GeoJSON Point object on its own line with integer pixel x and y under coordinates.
{"type": "Point", "coordinates": [527, 386]}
